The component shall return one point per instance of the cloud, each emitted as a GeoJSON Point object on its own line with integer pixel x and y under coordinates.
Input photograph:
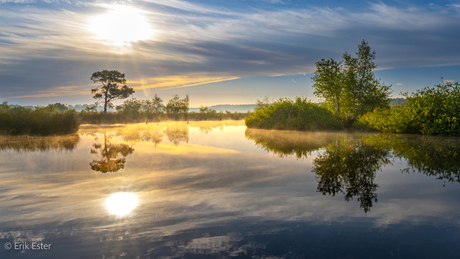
{"type": "Point", "coordinates": [294, 81]}
{"type": "Point", "coordinates": [448, 81]}
{"type": "Point", "coordinates": [146, 85]}
{"type": "Point", "coordinates": [43, 47]}
{"type": "Point", "coordinates": [399, 84]}
{"type": "Point", "coordinates": [58, 91]}
{"type": "Point", "coordinates": [17, 1]}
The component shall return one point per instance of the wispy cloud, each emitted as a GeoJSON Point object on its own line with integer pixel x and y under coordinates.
{"type": "Point", "coordinates": [17, 1]}
{"type": "Point", "coordinates": [51, 47]}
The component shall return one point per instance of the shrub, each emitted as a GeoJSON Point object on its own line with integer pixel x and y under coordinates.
{"type": "Point", "coordinates": [432, 111]}
{"type": "Point", "coordinates": [289, 115]}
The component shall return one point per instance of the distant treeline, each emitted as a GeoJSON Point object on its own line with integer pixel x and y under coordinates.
{"type": "Point", "coordinates": [220, 107]}
{"type": "Point", "coordinates": [58, 119]}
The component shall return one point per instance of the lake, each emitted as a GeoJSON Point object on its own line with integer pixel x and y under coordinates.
{"type": "Point", "coordinates": [220, 190]}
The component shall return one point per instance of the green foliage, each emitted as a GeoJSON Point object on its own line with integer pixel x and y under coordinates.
{"type": "Point", "coordinates": [289, 115]}
{"type": "Point", "coordinates": [349, 88]}
{"type": "Point", "coordinates": [329, 84]}
{"type": "Point", "coordinates": [262, 103]}
{"type": "Point", "coordinates": [40, 121]}
{"type": "Point", "coordinates": [153, 106]}
{"type": "Point", "coordinates": [112, 86]}
{"type": "Point", "coordinates": [177, 105]}
{"type": "Point", "coordinates": [431, 110]}
{"type": "Point", "coordinates": [131, 106]}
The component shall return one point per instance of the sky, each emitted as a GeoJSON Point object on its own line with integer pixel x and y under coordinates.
{"type": "Point", "coordinates": [218, 52]}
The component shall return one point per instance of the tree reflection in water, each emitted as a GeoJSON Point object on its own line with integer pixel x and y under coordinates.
{"type": "Point", "coordinates": [285, 143]}
{"type": "Point", "coordinates": [113, 155]}
{"type": "Point", "coordinates": [109, 152]}
{"type": "Point", "coordinates": [177, 133]}
{"type": "Point", "coordinates": [142, 133]}
{"type": "Point", "coordinates": [349, 166]}
{"type": "Point", "coordinates": [436, 156]}
{"type": "Point", "coordinates": [346, 165]}
{"type": "Point", "coordinates": [205, 129]}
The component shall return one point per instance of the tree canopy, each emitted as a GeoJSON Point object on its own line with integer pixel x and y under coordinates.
{"type": "Point", "coordinates": [177, 105]}
{"type": "Point", "coordinates": [112, 86]}
{"type": "Point", "coordinates": [349, 87]}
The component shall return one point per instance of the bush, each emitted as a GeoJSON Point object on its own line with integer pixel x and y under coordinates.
{"type": "Point", "coordinates": [289, 115]}
{"type": "Point", "coordinates": [430, 111]}
{"type": "Point", "coordinates": [41, 121]}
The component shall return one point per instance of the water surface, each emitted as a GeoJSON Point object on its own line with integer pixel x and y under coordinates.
{"type": "Point", "coordinates": [219, 190]}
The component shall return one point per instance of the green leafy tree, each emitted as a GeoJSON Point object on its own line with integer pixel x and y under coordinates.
{"type": "Point", "coordinates": [177, 105]}
{"type": "Point", "coordinates": [262, 103]}
{"type": "Point", "coordinates": [349, 88]}
{"type": "Point", "coordinates": [4, 106]}
{"type": "Point", "coordinates": [364, 92]}
{"type": "Point", "coordinates": [131, 106]}
{"type": "Point", "coordinates": [112, 86]}
{"type": "Point", "coordinates": [329, 85]}
{"type": "Point", "coordinates": [155, 105]}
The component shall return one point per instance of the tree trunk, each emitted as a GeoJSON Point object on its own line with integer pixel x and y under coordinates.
{"type": "Point", "coordinates": [105, 104]}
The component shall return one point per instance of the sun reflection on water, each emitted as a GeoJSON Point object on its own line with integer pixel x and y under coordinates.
{"type": "Point", "coordinates": [121, 203]}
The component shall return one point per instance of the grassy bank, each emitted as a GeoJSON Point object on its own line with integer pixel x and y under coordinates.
{"type": "Point", "coordinates": [40, 121]}
{"type": "Point", "coordinates": [293, 115]}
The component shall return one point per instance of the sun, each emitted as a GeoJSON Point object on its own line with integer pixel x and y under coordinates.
{"type": "Point", "coordinates": [121, 203]}
{"type": "Point", "coordinates": [121, 26]}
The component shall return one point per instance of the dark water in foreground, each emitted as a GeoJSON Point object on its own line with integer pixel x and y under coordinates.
{"type": "Point", "coordinates": [207, 190]}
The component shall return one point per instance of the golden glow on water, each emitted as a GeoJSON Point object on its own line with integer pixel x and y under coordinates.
{"type": "Point", "coordinates": [121, 26]}
{"type": "Point", "coordinates": [121, 203]}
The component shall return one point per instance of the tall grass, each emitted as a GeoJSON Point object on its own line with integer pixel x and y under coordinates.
{"type": "Point", "coordinates": [293, 115]}
{"type": "Point", "coordinates": [40, 121]}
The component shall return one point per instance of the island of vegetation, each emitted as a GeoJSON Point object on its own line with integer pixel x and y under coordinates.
{"type": "Point", "coordinates": [352, 97]}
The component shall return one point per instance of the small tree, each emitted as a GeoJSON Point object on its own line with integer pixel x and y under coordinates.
{"type": "Point", "coordinates": [132, 106]}
{"type": "Point", "coordinates": [364, 92]}
{"type": "Point", "coordinates": [155, 105]}
{"type": "Point", "coordinates": [262, 103]}
{"type": "Point", "coordinates": [112, 86]}
{"type": "Point", "coordinates": [328, 84]}
{"type": "Point", "coordinates": [177, 105]}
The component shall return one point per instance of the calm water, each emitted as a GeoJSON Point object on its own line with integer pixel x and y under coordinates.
{"type": "Point", "coordinates": [219, 190]}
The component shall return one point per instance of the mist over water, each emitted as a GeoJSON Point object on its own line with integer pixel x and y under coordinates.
{"type": "Point", "coordinates": [218, 189]}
